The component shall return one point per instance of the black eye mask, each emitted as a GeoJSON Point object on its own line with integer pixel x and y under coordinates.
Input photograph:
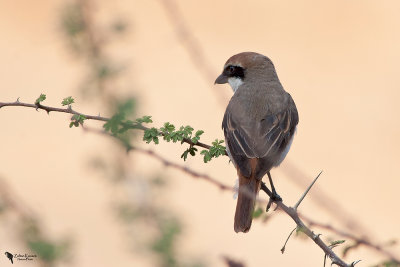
{"type": "Point", "coordinates": [234, 71]}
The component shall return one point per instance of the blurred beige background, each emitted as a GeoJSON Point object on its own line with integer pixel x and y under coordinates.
{"type": "Point", "coordinates": [338, 59]}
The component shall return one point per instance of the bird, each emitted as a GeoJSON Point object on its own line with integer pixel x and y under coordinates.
{"type": "Point", "coordinates": [259, 125]}
{"type": "Point", "coordinates": [9, 256]}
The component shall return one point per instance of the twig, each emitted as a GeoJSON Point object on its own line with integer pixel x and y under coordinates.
{"type": "Point", "coordinates": [287, 239]}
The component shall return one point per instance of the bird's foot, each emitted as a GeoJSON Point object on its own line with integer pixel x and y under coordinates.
{"type": "Point", "coordinates": [275, 196]}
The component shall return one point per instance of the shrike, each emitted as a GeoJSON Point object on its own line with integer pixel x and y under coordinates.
{"type": "Point", "coordinates": [259, 125]}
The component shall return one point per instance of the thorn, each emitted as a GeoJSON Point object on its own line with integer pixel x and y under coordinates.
{"type": "Point", "coordinates": [305, 193]}
{"type": "Point", "coordinates": [37, 106]}
{"type": "Point", "coordinates": [354, 263]}
{"type": "Point", "coordinates": [17, 100]}
{"type": "Point", "coordinates": [334, 262]}
{"type": "Point", "coordinates": [316, 236]}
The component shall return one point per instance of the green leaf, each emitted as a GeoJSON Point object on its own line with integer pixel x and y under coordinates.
{"type": "Point", "coordinates": [72, 21]}
{"type": "Point", "coordinates": [168, 128]}
{"type": "Point", "coordinates": [337, 242]}
{"type": "Point", "coordinates": [126, 107]}
{"type": "Point", "coordinates": [118, 124]}
{"type": "Point", "coordinates": [77, 120]}
{"type": "Point", "coordinates": [206, 155]}
{"type": "Point", "coordinates": [156, 140]}
{"type": "Point", "coordinates": [257, 213]}
{"type": "Point", "coordinates": [165, 243]}
{"type": "Point", "coordinates": [215, 151]}
{"type": "Point", "coordinates": [67, 101]}
{"type": "Point", "coordinates": [187, 131]}
{"type": "Point", "coordinates": [144, 119]}
{"type": "Point", "coordinates": [45, 250]}
{"type": "Point", "coordinates": [190, 150]}
{"type": "Point", "coordinates": [185, 154]}
{"type": "Point", "coordinates": [151, 135]}
{"type": "Point", "coordinates": [41, 98]}
{"type": "Point", "coordinates": [199, 132]}
{"type": "Point", "coordinates": [196, 137]}
{"type": "Point", "coordinates": [112, 124]}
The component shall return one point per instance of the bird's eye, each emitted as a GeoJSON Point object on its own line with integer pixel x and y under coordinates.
{"type": "Point", "coordinates": [234, 71]}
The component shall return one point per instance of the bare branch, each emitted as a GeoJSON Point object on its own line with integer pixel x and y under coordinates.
{"type": "Point", "coordinates": [193, 173]}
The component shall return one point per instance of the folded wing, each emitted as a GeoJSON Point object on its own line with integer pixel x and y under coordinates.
{"type": "Point", "coordinates": [267, 138]}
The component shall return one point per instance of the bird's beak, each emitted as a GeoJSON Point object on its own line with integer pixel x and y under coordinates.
{"type": "Point", "coordinates": [221, 79]}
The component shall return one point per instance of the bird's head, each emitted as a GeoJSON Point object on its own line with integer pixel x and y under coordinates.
{"type": "Point", "coordinates": [246, 67]}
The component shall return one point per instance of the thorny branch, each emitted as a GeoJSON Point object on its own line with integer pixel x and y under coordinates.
{"type": "Point", "coordinates": [195, 52]}
{"type": "Point", "coordinates": [38, 106]}
{"type": "Point", "coordinates": [291, 211]}
{"type": "Point", "coordinates": [357, 240]}
{"type": "Point", "coordinates": [69, 110]}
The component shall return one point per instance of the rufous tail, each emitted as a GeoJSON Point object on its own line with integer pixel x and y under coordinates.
{"type": "Point", "coordinates": [248, 190]}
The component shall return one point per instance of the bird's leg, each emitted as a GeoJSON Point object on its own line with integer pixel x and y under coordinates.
{"type": "Point", "coordinates": [274, 196]}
